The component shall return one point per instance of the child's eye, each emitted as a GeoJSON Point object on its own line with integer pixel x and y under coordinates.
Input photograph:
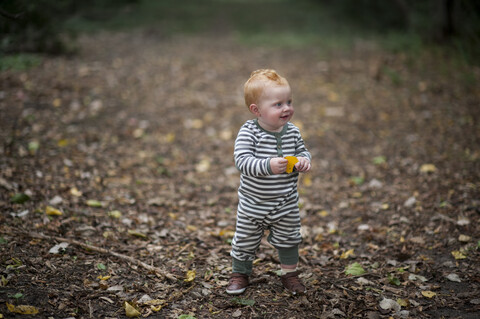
{"type": "Point", "coordinates": [289, 102]}
{"type": "Point", "coordinates": [278, 104]}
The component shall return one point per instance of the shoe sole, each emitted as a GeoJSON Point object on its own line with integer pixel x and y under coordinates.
{"type": "Point", "coordinates": [236, 292]}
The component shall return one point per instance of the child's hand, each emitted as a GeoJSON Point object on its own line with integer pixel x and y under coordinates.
{"type": "Point", "coordinates": [303, 164]}
{"type": "Point", "coordinates": [278, 165]}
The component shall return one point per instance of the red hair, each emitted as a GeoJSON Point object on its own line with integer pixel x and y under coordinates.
{"type": "Point", "coordinates": [255, 85]}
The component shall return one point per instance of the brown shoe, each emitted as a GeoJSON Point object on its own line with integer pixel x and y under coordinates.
{"type": "Point", "coordinates": [237, 284]}
{"type": "Point", "coordinates": [293, 283]}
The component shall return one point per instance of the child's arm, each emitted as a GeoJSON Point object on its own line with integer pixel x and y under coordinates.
{"type": "Point", "coordinates": [244, 155]}
{"type": "Point", "coordinates": [303, 155]}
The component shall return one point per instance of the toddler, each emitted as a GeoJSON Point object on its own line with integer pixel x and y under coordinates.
{"type": "Point", "coordinates": [268, 197]}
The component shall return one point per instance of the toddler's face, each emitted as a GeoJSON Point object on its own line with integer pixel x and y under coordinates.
{"type": "Point", "coordinates": [274, 108]}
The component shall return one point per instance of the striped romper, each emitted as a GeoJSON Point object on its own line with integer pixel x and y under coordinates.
{"type": "Point", "coordinates": [266, 201]}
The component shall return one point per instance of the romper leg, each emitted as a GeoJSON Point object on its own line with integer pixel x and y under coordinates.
{"type": "Point", "coordinates": [247, 238]}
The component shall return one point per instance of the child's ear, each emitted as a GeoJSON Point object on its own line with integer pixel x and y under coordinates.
{"type": "Point", "coordinates": [254, 109]}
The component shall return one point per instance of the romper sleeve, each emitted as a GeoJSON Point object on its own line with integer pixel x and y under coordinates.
{"type": "Point", "coordinates": [301, 149]}
{"type": "Point", "coordinates": [244, 155]}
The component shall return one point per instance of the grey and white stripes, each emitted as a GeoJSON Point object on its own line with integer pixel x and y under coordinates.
{"type": "Point", "coordinates": [266, 201]}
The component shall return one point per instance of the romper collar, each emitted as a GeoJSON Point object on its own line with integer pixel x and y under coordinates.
{"type": "Point", "coordinates": [276, 134]}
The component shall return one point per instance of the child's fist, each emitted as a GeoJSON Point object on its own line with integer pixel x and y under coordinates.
{"type": "Point", "coordinates": [278, 165]}
{"type": "Point", "coordinates": [303, 164]}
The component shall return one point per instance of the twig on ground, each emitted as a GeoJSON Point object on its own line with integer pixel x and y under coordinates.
{"type": "Point", "coordinates": [159, 272]}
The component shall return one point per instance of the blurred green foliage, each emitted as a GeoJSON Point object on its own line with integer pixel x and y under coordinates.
{"type": "Point", "coordinates": [48, 26]}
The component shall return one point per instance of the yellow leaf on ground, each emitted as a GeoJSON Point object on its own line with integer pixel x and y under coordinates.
{"type": "Point", "coordinates": [190, 275]}
{"type": "Point", "coordinates": [63, 142]}
{"type": "Point", "coordinates": [307, 181]}
{"type": "Point", "coordinates": [428, 168]}
{"type": "Point", "coordinates": [191, 228]}
{"type": "Point", "coordinates": [346, 254]}
{"type": "Point", "coordinates": [94, 203]}
{"type": "Point", "coordinates": [57, 102]}
{"type": "Point", "coordinates": [458, 254]}
{"type": "Point", "coordinates": [170, 137]}
{"type": "Point", "coordinates": [203, 166]}
{"type": "Point", "coordinates": [115, 214]}
{"type": "Point", "coordinates": [428, 293]}
{"type": "Point", "coordinates": [403, 302]}
{"type": "Point", "coordinates": [156, 309]}
{"type": "Point", "coordinates": [75, 192]}
{"type": "Point", "coordinates": [130, 311]}
{"type": "Point", "coordinates": [136, 233]}
{"type": "Point", "coordinates": [22, 309]}
{"type": "Point", "coordinates": [323, 213]}
{"type": "Point", "coordinates": [50, 211]}
{"type": "Point", "coordinates": [155, 302]}
{"type": "Point", "coordinates": [332, 96]}
{"type": "Point", "coordinates": [292, 160]}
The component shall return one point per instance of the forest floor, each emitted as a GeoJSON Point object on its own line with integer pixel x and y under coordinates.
{"type": "Point", "coordinates": [127, 147]}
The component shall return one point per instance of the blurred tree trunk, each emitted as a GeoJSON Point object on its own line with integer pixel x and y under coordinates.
{"type": "Point", "coordinates": [448, 26]}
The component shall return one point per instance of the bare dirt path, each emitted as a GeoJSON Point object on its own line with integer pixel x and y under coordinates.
{"type": "Point", "coordinates": [131, 141]}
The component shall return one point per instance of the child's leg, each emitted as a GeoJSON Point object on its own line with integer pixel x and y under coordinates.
{"type": "Point", "coordinates": [288, 259]}
{"type": "Point", "coordinates": [242, 267]}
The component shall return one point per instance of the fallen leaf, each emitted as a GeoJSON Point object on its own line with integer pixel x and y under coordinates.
{"type": "Point", "coordinates": [33, 147]}
{"type": "Point", "coordinates": [243, 302]}
{"type": "Point", "coordinates": [403, 302]}
{"type": "Point", "coordinates": [203, 166]}
{"type": "Point", "coordinates": [50, 211]}
{"type": "Point", "coordinates": [136, 233]}
{"type": "Point", "coordinates": [63, 142]}
{"type": "Point", "coordinates": [58, 248]}
{"type": "Point", "coordinates": [94, 203]}
{"type": "Point", "coordinates": [190, 275]}
{"type": "Point", "coordinates": [57, 102]}
{"type": "Point", "coordinates": [307, 180]}
{"type": "Point", "coordinates": [454, 277]}
{"type": "Point", "coordinates": [75, 192]}
{"type": "Point", "coordinates": [292, 160]}
{"type": "Point", "coordinates": [428, 168]}
{"type": "Point", "coordinates": [389, 304]}
{"type": "Point", "coordinates": [354, 269]}
{"type": "Point", "coordinates": [428, 293]}
{"type": "Point", "coordinates": [414, 277]}
{"type": "Point", "coordinates": [130, 311]}
{"type": "Point", "coordinates": [463, 221]}
{"type": "Point", "coordinates": [458, 254]}
{"type": "Point", "coordinates": [19, 198]}
{"type": "Point", "coordinates": [379, 160]}
{"type": "Point", "coordinates": [115, 214]}
{"type": "Point", "coordinates": [347, 254]}
{"type": "Point", "coordinates": [464, 238]}
{"type": "Point", "coordinates": [323, 213]}
{"type": "Point", "coordinates": [22, 309]}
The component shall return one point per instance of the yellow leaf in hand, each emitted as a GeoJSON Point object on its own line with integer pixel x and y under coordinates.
{"type": "Point", "coordinates": [292, 160]}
